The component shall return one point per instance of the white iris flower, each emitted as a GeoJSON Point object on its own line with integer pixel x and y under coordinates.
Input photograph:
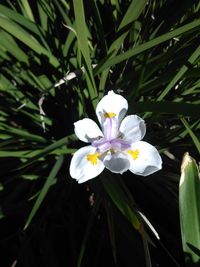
{"type": "Point", "coordinates": [117, 147]}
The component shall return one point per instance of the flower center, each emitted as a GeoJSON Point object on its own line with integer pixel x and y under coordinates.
{"type": "Point", "coordinates": [109, 115]}
{"type": "Point", "coordinates": [93, 158]}
{"type": "Point", "coordinates": [134, 153]}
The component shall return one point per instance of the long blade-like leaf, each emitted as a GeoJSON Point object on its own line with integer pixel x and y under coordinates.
{"type": "Point", "coordinates": [193, 136]}
{"type": "Point", "coordinates": [27, 39]}
{"type": "Point", "coordinates": [121, 202]}
{"type": "Point", "coordinates": [152, 43]}
{"type": "Point", "coordinates": [189, 205]}
{"type": "Point", "coordinates": [45, 189]}
{"type": "Point", "coordinates": [81, 29]}
{"type": "Point", "coordinates": [133, 12]}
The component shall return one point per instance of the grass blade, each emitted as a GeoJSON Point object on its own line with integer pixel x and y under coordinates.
{"type": "Point", "coordinates": [45, 189]}
{"type": "Point", "coordinates": [189, 206]}
{"type": "Point", "coordinates": [193, 136]}
{"type": "Point", "coordinates": [150, 44]}
{"type": "Point", "coordinates": [82, 35]}
{"type": "Point", "coordinates": [118, 198]}
{"type": "Point", "coordinates": [27, 10]}
{"type": "Point", "coordinates": [62, 142]}
{"type": "Point", "coordinates": [132, 13]}
{"type": "Point", "coordinates": [9, 45]}
{"type": "Point", "coordinates": [19, 33]}
{"type": "Point", "coordinates": [180, 74]}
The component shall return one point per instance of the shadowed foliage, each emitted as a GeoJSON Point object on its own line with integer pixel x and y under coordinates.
{"type": "Point", "coordinates": [57, 60]}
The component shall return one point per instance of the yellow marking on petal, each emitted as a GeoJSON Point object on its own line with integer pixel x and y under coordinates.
{"type": "Point", "coordinates": [134, 153]}
{"type": "Point", "coordinates": [109, 115]}
{"type": "Point", "coordinates": [93, 158]}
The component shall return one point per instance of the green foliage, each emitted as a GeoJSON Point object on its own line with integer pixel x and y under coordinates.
{"type": "Point", "coordinates": [146, 50]}
{"type": "Point", "coordinates": [189, 194]}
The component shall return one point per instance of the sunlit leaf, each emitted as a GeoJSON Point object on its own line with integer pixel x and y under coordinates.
{"type": "Point", "coordinates": [189, 205]}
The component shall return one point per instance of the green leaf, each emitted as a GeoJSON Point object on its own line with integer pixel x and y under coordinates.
{"type": "Point", "coordinates": [21, 20]}
{"type": "Point", "coordinates": [150, 44]}
{"type": "Point", "coordinates": [191, 133]}
{"type": "Point", "coordinates": [82, 36]}
{"type": "Point", "coordinates": [27, 9]}
{"type": "Point", "coordinates": [62, 142]}
{"type": "Point", "coordinates": [23, 133]}
{"type": "Point", "coordinates": [180, 74]}
{"type": "Point", "coordinates": [45, 189]}
{"type": "Point", "coordinates": [19, 33]}
{"type": "Point", "coordinates": [30, 177]}
{"type": "Point", "coordinates": [189, 206]}
{"type": "Point", "coordinates": [11, 47]}
{"type": "Point", "coordinates": [1, 187]}
{"type": "Point", "coordinates": [133, 12]}
{"type": "Point", "coordinates": [10, 154]}
{"type": "Point", "coordinates": [116, 194]}
{"type": "Point", "coordinates": [194, 249]}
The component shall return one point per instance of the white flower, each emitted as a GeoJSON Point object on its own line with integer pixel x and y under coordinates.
{"type": "Point", "coordinates": [118, 147]}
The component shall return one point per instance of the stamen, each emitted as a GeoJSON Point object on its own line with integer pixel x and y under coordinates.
{"type": "Point", "coordinates": [134, 153]}
{"type": "Point", "coordinates": [93, 158]}
{"type": "Point", "coordinates": [109, 115]}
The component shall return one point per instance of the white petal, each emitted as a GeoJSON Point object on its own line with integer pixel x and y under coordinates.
{"type": "Point", "coordinates": [81, 168]}
{"type": "Point", "coordinates": [87, 130]}
{"type": "Point", "coordinates": [147, 160]}
{"type": "Point", "coordinates": [110, 128]}
{"type": "Point", "coordinates": [111, 104]}
{"type": "Point", "coordinates": [117, 162]}
{"type": "Point", "coordinates": [132, 128]}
